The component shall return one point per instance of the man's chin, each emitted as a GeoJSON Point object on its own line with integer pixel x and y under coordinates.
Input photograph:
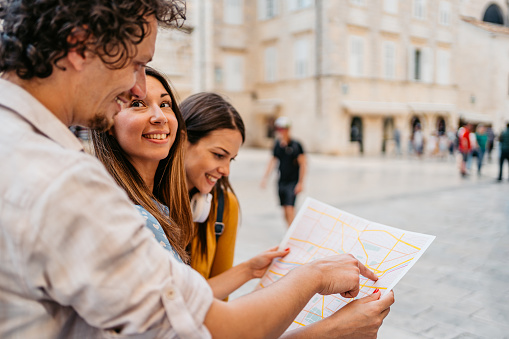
{"type": "Point", "coordinates": [100, 123]}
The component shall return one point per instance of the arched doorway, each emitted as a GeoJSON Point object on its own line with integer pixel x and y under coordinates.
{"type": "Point", "coordinates": [416, 142]}
{"type": "Point", "coordinates": [441, 126]}
{"type": "Point", "coordinates": [493, 14]}
{"type": "Point", "coordinates": [414, 123]}
{"type": "Point", "coordinates": [356, 132]}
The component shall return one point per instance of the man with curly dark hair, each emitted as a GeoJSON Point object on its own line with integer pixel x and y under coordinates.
{"type": "Point", "coordinates": [76, 260]}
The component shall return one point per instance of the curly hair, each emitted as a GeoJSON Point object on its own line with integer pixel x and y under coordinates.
{"type": "Point", "coordinates": [35, 33]}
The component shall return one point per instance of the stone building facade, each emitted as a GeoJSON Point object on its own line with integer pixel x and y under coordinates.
{"type": "Point", "coordinates": [350, 74]}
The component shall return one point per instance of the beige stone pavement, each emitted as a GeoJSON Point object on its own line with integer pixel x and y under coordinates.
{"type": "Point", "coordinates": [459, 288]}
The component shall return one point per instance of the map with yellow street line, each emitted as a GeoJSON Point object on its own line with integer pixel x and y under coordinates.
{"type": "Point", "coordinates": [321, 230]}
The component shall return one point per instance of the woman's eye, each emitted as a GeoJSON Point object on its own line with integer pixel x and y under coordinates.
{"type": "Point", "coordinates": [137, 103]}
{"type": "Point", "coordinates": [165, 105]}
{"type": "Point", "coordinates": [219, 156]}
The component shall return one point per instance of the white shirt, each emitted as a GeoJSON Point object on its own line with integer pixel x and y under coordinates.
{"type": "Point", "coordinates": [76, 260]}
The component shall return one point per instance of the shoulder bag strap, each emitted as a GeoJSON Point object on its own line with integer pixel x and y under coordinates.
{"type": "Point", "coordinates": [219, 226]}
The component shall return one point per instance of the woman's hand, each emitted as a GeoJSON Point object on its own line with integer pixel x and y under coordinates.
{"type": "Point", "coordinates": [259, 264]}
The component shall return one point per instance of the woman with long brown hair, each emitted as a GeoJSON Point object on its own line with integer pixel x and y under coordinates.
{"type": "Point", "coordinates": [144, 152]}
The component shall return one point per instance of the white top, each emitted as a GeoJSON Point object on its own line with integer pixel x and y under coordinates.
{"type": "Point", "coordinates": [76, 260]}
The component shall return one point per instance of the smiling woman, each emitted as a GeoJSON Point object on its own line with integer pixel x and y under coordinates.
{"type": "Point", "coordinates": [215, 132]}
{"type": "Point", "coordinates": [143, 151]}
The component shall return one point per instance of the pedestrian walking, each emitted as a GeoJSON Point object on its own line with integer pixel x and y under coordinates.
{"type": "Point", "coordinates": [504, 150]}
{"type": "Point", "coordinates": [292, 167]}
{"type": "Point", "coordinates": [397, 140]}
{"type": "Point", "coordinates": [464, 147]}
{"type": "Point", "coordinates": [491, 142]}
{"type": "Point", "coordinates": [418, 140]}
{"type": "Point", "coordinates": [482, 141]}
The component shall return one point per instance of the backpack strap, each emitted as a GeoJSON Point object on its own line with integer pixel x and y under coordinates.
{"type": "Point", "coordinates": [219, 226]}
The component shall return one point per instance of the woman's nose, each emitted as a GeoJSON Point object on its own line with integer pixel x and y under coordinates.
{"type": "Point", "coordinates": [225, 170]}
{"type": "Point", "coordinates": [158, 116]}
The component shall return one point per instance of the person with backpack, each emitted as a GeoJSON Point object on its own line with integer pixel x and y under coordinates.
{"type": "Point", "coordinates": [215, 132]}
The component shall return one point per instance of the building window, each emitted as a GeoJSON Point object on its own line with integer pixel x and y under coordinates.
{"type": "Point", "coordinates": [233, 73]}
{"type": "Point", "coordinates": [233, 12]}
{"type": "Point", "coordinates": [494, 15]}
{"type": "Point", "coordinates": [294, 5]}
{"type": "Point", "coordinates": [391, 6]}
{"type": "Point", "coordinates": [444, 13]}
{"type": "Point", "coordinates": [270, 64]}
{"type": "Point", "coordinates": [301, 58]}
{"type": "Point", "coordinates": [356, 64]}
{"type": "Point", "coordinates": [267, 9]}
{"type": "Point", "coordinates": [420, 9]}
{"type": "Point", "coordinates": [389, 60]}
{"type": "Point", "coordinates": [417, 65]}
{"type": "Point", "coordinates": [218, 75]}
{"type": "Point", "coordinates": [358, 2]}
{"type": "Point", "coordinates": [443, 67]}
{"type": "Point", "coordinates": [420, 64]}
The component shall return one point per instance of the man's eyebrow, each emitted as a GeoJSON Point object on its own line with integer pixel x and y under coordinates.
{"type": "Point", "coordinates": [145, 59]}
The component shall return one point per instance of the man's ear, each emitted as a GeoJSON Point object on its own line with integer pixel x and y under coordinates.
{"type": "Point", "coordinates": [77, 55]}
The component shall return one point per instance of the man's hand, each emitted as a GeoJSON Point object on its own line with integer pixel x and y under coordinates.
{"type": "Point", "coordinates": [340, 274]}
{"type": "Point", "coordinates": [298, 188]}
{"type": "Point", "coordinates": [263, 183]}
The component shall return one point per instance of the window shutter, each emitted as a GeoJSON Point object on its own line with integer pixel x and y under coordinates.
{"type": "Point", "coordinates": [270, 64]}
{"type": "Point", "coordinates": [443, 67]}
{"type": "Point", "coordinates": [292, 5]}
{"type": "Point", "coordinates": [389, 58]}
{"type": "Point", "coordinates": [411, 63]}
{"type": "Point", "coordinates": [427, 65]}
{"type": "Point", "coordinates": [234, 73]}
{"type": "Point", "coordinates": [262, 9]}
{"type": "Point", "coordinates": [275, 3]}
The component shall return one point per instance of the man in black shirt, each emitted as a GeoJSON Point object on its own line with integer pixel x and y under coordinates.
{"type": "Point", "coordinates": [504, 150]}
{"type": "Point", "coordinates": [292, 167]}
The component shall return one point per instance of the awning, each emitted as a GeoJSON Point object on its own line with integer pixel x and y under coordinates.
{"type": "Point", "coordinates": [375, 108]}
{"type": "Point", "coordinates": [423, 107]}
{"type": "Point", "coordinates": [476, 117]}
{"type": "Point", "coordinates": [395, 108]}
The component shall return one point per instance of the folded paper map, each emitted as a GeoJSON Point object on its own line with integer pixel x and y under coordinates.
{"type": "Point", "coordinates": [321, 230]}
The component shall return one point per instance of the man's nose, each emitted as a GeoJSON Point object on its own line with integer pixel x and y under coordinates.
{"type": "Point", "coordinates": [139, 89]}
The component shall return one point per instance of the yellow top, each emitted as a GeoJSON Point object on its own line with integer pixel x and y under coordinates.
{"type": "Point", "coordinates": [219, 256]}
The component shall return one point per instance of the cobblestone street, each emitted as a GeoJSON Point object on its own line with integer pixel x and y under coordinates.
{"type": "Point", "coordinates": [459, 287]}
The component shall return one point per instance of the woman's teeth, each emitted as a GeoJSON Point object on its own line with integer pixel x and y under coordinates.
{"type": "Point", "coordinates": [118, 101]}
{"type": "Point", "coordinates": [211, 178]}
{"type": "Point", "coordinates": [156, 136]}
